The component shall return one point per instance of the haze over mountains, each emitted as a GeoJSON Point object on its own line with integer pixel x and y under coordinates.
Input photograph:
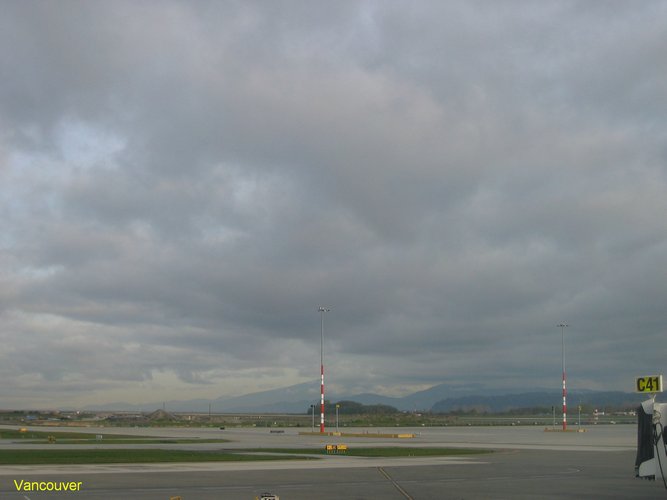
{"type": "Point", "coordinates": [439, 398]}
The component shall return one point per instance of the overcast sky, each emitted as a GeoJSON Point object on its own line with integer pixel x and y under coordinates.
{"type": "Point", "coordinates": [182, 184]}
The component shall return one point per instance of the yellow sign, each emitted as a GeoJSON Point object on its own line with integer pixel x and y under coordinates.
{"type": "Point", "coordinates": [651, 383]}
{"type": "Point", "coordinates": [336, 448]}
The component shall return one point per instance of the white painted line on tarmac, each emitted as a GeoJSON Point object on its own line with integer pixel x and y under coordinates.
{"type": "Point", "coordinates": [396, 485]}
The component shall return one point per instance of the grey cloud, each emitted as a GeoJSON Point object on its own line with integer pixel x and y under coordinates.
{"type": "Point", "coordinates": [183, 184]}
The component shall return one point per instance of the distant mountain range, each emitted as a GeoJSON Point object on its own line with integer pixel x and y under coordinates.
{"type": "Point", "coordinates": [439, 398]}
{"type": "Point", "coordinates": [541, 399]}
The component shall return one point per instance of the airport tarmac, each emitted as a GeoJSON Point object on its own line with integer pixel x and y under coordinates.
{"type": "Point", "coordinates": [526, 463]}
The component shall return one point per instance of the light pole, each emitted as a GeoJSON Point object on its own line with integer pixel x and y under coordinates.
{"type": "Point", "coordinates": [337, 406]}
{"type": "Point", "coordinates": [562, 327]}
{"type": "Point", "coordinates": [322, 310]}
{"type": "Point", "coordinates": [312, 415]}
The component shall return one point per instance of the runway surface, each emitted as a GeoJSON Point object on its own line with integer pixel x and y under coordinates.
{"type": "Point", "coordinates": [526, 463]}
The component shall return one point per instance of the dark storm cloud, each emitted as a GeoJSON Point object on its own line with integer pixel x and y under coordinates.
{"type": "Point", "coordinates": [183, 184]}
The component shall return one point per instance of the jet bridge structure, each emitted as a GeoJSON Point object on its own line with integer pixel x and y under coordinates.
{"type": "Point", "coordinates": [651, 461]}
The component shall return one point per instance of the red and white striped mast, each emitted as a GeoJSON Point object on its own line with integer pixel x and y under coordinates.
{"type": "Point", "coordinates": [322, 310]}
{"type": "Point", "coordinates": [562, 327]}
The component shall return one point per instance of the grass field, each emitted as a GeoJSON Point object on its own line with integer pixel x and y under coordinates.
{"type": "Point", "coordinates": [39, 437]}
{"type": "Point", "coordinates": [119, 441]}
{"type": "Point", "coordinates": [114, 454]}
{"type": "Point", "coordinates": [108, 456]}
{"type": "Point", "coordinates": [43, 435]}
{"type": "Point", "coordinates": [125, 456]}
{"type": "Point", "coordinates": [385, 451]}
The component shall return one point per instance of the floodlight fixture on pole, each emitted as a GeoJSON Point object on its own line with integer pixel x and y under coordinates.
{"type": "Point", "coordinates": [562, 327]}
{"type": "Point", "coordinates": [322, 310]}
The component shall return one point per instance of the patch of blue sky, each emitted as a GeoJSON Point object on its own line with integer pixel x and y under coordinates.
{"type": "Point", "coordinates": [85, 146]}
{"type": "Point", "coordinates": [34, 178]}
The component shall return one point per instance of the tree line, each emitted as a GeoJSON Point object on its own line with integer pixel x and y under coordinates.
{"type": "Point", "coordinates": [354, 408]}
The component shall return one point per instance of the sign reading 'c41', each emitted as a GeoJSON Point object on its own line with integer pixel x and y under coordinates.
{"type": "Point", "coordinates": [652, 383]}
